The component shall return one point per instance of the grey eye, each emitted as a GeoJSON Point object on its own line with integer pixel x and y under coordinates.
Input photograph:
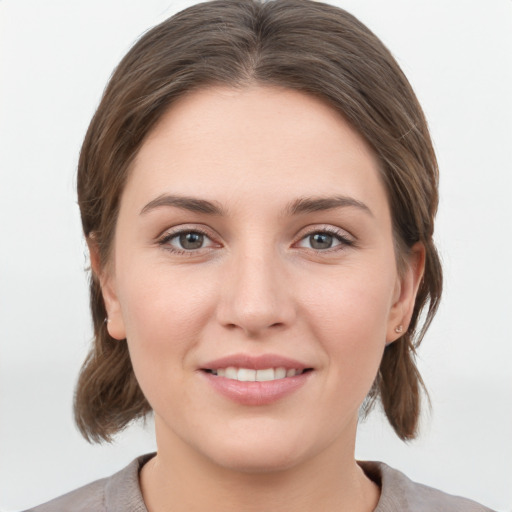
{"type": "Point", "coordinates": [191, 240]}
{"type": "Point", "coordinates": [186, 241]}
{"type": "Point", "coordinates": [321, 240]}
{"type": "Point", "coordinates": [324, 240]}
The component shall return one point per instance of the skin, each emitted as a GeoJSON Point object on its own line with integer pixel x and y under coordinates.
{"type": "Point", "coordinates": [257, 285]}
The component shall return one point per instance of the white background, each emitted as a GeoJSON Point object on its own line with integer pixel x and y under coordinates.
{"type": "Point", "coordinates": [55, 58]}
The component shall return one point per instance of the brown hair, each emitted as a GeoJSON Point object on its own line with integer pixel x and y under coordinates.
{"type": "Point", "coordinates": [299, 44]}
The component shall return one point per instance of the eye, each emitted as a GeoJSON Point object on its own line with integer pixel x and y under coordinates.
{"type": "Point", "coordinates": [325, 239]}
{"type": "Point", "coordinates": [186, 241]}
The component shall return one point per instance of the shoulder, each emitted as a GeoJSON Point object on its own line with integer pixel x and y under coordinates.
{"type": "Point", "coordinates": [120, 491]}
{"type": "Point", "coordinates": [399, 493]}
{"type": "Point", "coordinates": [90, 497]}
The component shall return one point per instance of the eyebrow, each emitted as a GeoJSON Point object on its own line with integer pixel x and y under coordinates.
{"type": "Point", "coordinates": [317, 204]}
{"type": "Point", "coordinates": [299, 206]}
{"type": "Point", "coordinates": [192, 204]}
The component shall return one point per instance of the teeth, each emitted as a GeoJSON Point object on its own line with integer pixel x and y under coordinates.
{"type": "Point", "coordinates": [231, 373]}
{"type": "Point", "coordinates": [263, 375]}
{"type": "Point", "coordinates": [249, 375]}
{"type": "Point", "coordinates": [280, 373]}
{"type": "Point", "coordinates": [246, 375]}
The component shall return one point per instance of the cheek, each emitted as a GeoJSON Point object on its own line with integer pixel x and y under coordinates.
{"type": "Point", "coordinates": [349, 318]}
{"type": "Point", "coordinates": [164, 300]}
{"type": "Point", "coordinates": [164, 313]}
{"type": "Point", "coordinates": [353, 307]}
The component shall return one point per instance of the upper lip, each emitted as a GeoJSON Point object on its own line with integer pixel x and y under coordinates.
{"type": "Point", "coordinates": [260, 362]}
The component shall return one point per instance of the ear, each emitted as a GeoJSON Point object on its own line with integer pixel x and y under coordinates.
{"type": "Point", "coordinates": [406, 290]}
{"type": "Point", "coordinates": [106, 279]}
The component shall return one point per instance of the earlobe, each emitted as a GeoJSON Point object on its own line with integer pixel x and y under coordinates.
{"type": "Point", "coordinates": [405, 296]}
{"type": "Point", "coordinates": [114, 319]}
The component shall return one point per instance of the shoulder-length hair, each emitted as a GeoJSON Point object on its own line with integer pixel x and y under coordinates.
{"type": "Point", "coordinates": [304, 45]}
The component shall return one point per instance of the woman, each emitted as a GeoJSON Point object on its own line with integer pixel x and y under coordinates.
{"type": "Point", "coordinates": [257, 191]}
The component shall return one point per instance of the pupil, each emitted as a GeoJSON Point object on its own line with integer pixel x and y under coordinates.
{"type": "Point", "coordinates": [321, 241]}
{"type": "Point", "coordinates": [191, 240]}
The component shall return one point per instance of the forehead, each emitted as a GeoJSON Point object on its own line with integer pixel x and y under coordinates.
{"type": "Point", "coordinates": [235, 144]}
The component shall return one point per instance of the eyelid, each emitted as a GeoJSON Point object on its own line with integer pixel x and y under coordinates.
{"type": "Point", "coordinates": [342, 235]}
{"type": "Point", "coordinates": [344, 238]}
{"type": "Point", "coordinates": [170, 233]}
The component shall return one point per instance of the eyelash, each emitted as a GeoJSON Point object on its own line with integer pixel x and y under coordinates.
{"type": "Point", "coordinates": [164, 241]}
{"type": "Point", "coordinates": [339, 235]}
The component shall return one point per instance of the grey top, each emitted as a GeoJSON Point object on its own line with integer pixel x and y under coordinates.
{"type": "Point", "coordinates": [121, 493]}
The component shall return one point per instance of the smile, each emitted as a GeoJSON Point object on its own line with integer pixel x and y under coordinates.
{"type": "Point", "coordinates": [251, 375]}
{"type": "Point", "coordinates": [251, 380]}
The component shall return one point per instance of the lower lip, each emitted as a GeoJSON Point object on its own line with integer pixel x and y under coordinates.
{"type": "Point", "coordinates": [256, 393]}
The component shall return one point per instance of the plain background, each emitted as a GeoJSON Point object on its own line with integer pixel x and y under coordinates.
{"type": "Point", "coordinates": [55, 59]}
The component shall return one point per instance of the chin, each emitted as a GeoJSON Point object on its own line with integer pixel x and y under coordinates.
{"type": "Point", "coordinates": [258, 461]}
{"type": "Point", "coordinates": [262, 452]}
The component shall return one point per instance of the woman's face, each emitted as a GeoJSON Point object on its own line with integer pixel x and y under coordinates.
{"type": "Point", "coordinates": [254, 241]}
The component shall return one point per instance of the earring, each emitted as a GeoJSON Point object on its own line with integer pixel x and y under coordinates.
{"type": "Point", "coordinates": [399, 329]}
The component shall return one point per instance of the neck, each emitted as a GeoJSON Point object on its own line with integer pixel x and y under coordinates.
{"type": "Point", "coordinates": [180, 479]}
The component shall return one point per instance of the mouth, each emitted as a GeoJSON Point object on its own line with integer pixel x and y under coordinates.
{"type": "Point", "coordinates": [256, 380]}
{"type": "Point", "coordinates": [253, 375]}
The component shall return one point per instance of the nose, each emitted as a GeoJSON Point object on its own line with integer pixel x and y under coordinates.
{"type": "Point", "coordinates": [256, 294]}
